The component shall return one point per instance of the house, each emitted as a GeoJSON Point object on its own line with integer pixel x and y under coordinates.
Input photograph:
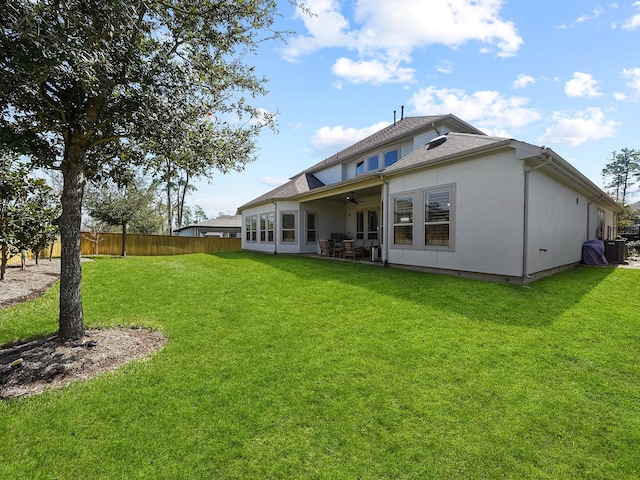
{"type": "Point", "coordinates": [439, 195]}
{"type": "Point", "coordinates": [225, 226]}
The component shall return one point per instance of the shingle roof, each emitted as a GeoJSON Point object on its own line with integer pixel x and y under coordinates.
{"type": "Point", "coordinates": [223, 221]}
{"type": "Point", "coordinates": [389, 134]}
{"type": "Point", "coordinates": [303, 183]}
{"type": "Point", "coordinates": [456, 144]}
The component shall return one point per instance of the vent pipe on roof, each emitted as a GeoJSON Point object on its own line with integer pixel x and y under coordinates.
{"type": "Point", "coordinates": [394, 117]}
{"type": "Point", "coordinates": [402, 112]}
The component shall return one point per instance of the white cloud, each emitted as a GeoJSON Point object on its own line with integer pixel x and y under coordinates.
{"type": "Point", "coordinates": [585, 126]}
{"type": "Point", "coordinates": [633, 74]}
{"type": "Point", "coordinates": [492, 112]}
{"type": "Point", "coordinates": [585, 18]}
{"type": "Point", "coordinates": [445, 67]}
{"type": "Point", "coordinates": [582, 85]}
{"type": "Point", "coordinates": [633, 22]}
{"type": "Point", "coordinates": [329, 140]}
{"type": "Point", "coordinates": [619, 96]}
{"type": "Point", "coordinates": [523, 81]}
{"type": "Point", "coordinates": [383, 34]}
{"type": "Point", "coordinates": [375, 71]}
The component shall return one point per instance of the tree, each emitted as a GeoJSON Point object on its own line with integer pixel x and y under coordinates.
{"type": "Point", "coordinates": [81, 80]}
{"type": "Point", "coordinates": [622, 172]}
{"type": "Point", "coordinates": [27, 210]}
{"type": "Point", "coordinates": [121, 205]}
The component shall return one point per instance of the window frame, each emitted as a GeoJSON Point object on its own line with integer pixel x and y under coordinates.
{"type": "Point", "coordinates": [405, 196]}
{"type": "Point", "coordinates": [314, 214]}
{"type": "Point", "coordinates": [266, 227]}
{"type": "Point", "coordinates": [450, 189]}
{"type": "Point", "coordinates": [294, 229]}
{"type": "Point", "coordinates": [251, 226]}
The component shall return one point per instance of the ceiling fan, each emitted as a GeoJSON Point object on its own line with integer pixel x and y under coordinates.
{"type": "Point", "coordinates": [352, 199]}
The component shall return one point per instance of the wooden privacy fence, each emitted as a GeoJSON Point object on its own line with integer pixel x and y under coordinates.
{"type": "Point", "coordinates": [142, 245]}
{"type": "Point", "coordinates": [151, 245]}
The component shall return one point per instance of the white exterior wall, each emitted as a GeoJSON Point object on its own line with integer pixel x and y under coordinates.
{"type": "Point", "coordinates": [556, 225]}
{"type": "Point", "coordinates": [330, 175]}
{"type": "Point", "coordinates": [330, 218]}
{"type": "Point", "coordinates": [487, 216]}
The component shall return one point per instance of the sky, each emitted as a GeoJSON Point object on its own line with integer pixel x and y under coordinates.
{"type": "Point", "coordinates": [561, 74]}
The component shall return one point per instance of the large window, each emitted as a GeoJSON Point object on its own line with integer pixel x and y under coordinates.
{"type": "Point", "coordinates": [437, 219]}
{"type": "Point", "coordinates": [312, 228]}
{"type": "Point", "coordinates": [266, 227]}
{"type": "Point", "coordinates": [367, 228]}
{"type": "Point", "coordinates": [372, 163]}
{"type": "Point", "coordinates": [359, 168]}
{"type": "Point", "coordinates": [251, 224]}
{"type": "Point", "coordinates": [403, 220]}
{"type": "Point", "coordinates": [288, 227]}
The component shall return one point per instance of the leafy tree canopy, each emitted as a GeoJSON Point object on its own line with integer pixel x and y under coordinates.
{"type": "Point", "coordinates": [83, 82]}
{"type": "Point", "coordinates": [622, 172]}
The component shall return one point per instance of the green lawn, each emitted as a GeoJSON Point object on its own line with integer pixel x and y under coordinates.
{"type": "Point", "coordinates": [287, 367]}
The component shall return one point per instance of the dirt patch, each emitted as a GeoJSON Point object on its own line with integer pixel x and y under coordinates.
{"type": "Point", "coordinates": [31, 367]}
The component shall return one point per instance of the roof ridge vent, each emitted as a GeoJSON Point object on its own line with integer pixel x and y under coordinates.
{"type": "Point", "coordinates": [437, 141]}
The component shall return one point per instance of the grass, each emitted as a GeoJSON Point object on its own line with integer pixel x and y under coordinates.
{"type": "Point", "coordinates": [287, 367]}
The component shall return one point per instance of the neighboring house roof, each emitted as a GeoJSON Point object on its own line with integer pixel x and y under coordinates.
{"type": "Point", "coordinates": [223, 221]}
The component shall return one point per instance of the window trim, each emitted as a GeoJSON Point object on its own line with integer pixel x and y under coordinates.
{"type": "Point", "coordinates": [251, 228]}
{"type": "Point", "coordinates": [451, 222]}
{"type": "Point", "coordinates": [412, 223]}
{"type": "Point", "coordinates": [266, 229]}
{"type": "Point", "coordinates": [306, 227]}
{"type": "Point", "coordinates": [294, 229]}
{"type": "Point", "coordinates": [418, 231]}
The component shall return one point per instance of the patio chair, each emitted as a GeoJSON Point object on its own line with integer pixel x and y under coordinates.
{"type": "Point", "coordinates": [325, 248]}
{"type": "Point", "coordinates": [348, 250]}
{"type": "Point", "coordinates": [360, 246]}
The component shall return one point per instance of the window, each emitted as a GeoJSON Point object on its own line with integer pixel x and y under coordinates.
{"type": "Point", "coordinates": [368, 230]}
{"type": "Point", "coordinates": [359, 168]}
{"type": "Point", "coordinates": [600, 225]}
{"type": "Point", "coordinates": [372, 227]}
{"type": "Point", "coordinates": [437, 206]}
{"type": "Point", "coordinates": [266, 227]}
{"type": "Point", "coordinates": [251, 224]}
{"type": "Point", "coordinates": [288, 227]}
{"type": "Point", "coordinates": [359, 225]}
{"type": "Point", "coordinates": [403, 220]}
{"type": "Point", "coordinates": [390, 158]}
{"type": "Point", "coordinates": [372, 163]}
{"type": "Point", "coordinates": [311, 227]}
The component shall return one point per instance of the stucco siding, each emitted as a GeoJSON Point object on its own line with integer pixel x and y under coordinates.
{"type": "Point", "coordinates": [330, 175]}
{"type": "Point", "coordinates": [487, 216]}
{"type": "Point", "coordinates": [556, 224]}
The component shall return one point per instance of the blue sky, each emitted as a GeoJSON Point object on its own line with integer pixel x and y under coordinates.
{"type": "Point", "coordinates": [561, 74]}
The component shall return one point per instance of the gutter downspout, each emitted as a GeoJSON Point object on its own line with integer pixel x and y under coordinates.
{"type": "Point", "coordinates": [525, 223]}
{"type": "Point", "coordinates": [275, 228]}
{"type": "Point", "coordinates": [385, 219]}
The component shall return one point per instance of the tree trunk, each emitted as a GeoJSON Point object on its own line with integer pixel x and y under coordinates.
{"type": "Point", "coordinates": [124, 239]}
{"type": "Point", "coordinates": [3, 261]}
{"type": "Point", "coordinates": [169, 210]}
{"type": "Point", "coordinates": [71, 320]}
